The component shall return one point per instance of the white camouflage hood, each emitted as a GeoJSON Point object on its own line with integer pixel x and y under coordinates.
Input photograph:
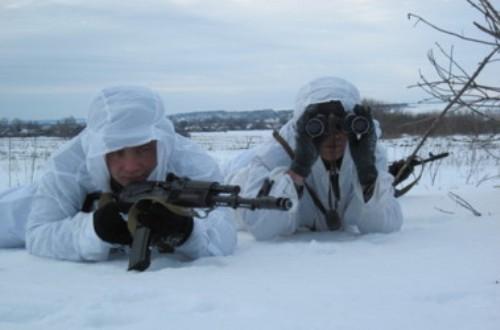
{"type": "Point", "coordinates": [320, 90]}
{"type": "Point", "coordinates": [126, 116]}
{"type": "Point", "coordinates": [326, 89]}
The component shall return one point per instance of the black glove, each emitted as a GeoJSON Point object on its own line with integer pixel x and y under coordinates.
{"type": "Point", "coordinates": [110, 226]}
{"type": "Point", "coordinates": [363, 150]}
{"type": "Point", "coordinates": [396, 166]}
{"type": "Point", "coordinates": [165, 225]}
{"type": "Point", "coordinates": [306, 147]}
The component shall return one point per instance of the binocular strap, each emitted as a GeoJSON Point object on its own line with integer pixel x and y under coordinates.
{"type": "Point", "coordinates": [331, 216]}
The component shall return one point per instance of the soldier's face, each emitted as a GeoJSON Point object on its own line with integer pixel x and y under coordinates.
{"type": "Point", "coordinates": [333, 147]}
{"type": "Point", "coordinates": [132, 164]}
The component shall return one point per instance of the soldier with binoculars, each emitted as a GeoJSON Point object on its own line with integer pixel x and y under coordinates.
{"type": "Point", "coordinates": [326, 159]}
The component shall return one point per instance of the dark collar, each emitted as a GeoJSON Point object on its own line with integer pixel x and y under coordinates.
{"type": "Point", "coordinates": [337, 163]}
{"type": "Point", "coordinates": [115, 186]}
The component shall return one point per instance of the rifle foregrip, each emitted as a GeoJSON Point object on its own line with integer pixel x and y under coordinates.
{"type": "Point", "coordinates": [140, 253]}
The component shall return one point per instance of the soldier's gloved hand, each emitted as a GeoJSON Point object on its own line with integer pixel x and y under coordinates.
{"type": "Point", "coordinates": [396, 166]}
{"type": "Point", "coordinates": [363, 150]}
{"type": "Point", "coordinates": [306, 147]}
{"type": "Point", "coordinates": [171, 228]}
{"type": "Point", "coordinates": [110, 226]}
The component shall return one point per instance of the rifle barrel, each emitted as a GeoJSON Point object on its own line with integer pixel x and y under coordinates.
{"type": "Point", "coordinates": [433, 158]}
{"type": "Point", "coordinates": [266, 202]}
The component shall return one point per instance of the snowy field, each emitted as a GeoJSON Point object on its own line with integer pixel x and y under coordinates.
{"type": "Point", "coordinates": [442, 271]}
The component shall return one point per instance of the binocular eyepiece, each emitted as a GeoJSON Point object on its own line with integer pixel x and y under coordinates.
{"type": "Point", "coordinates": [351, 123]}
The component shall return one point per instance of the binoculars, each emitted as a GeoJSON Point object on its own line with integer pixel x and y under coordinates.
{"type": "Point", "coordinates": [334, 118]}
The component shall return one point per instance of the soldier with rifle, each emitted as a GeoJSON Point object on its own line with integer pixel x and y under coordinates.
{"type": "Point", "coordinates": [128, 141]}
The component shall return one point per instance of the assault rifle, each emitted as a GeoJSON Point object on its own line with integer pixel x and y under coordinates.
{"type": "Point", "coordinates": [187, 194]}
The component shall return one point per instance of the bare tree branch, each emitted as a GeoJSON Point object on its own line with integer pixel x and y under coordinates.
{"type": "Point", "coordinates": [435, 27]}
{"type": "Point", "coordinates": [447, 108]}
{"type": "Point", "coordinates": [462, 202]}
{"type": "Point", "coordinates": [451, 77]}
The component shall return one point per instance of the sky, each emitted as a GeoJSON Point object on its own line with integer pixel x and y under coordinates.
{"type": "Point", "coordinates": [200, 55]}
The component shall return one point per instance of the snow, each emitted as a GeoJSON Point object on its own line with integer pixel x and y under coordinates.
{"type": "Point", "coordinates": [442, 271]}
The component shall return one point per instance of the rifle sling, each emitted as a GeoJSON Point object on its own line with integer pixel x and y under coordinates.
{"type": "Point", "coordinates": [310, 190]}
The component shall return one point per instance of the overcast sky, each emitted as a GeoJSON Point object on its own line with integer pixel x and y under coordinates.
{"type": "Point", "coordinates": [215, 54]}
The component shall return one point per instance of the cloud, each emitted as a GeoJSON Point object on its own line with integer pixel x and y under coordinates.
{"type": "Point", "coordinates": [214, 53]}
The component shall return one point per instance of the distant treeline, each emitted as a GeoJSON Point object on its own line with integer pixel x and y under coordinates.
{"type": "Point", "coordinates": [393, 121]}
{"type": "Point", "coordinates": [217, 121]}
{"type": "Point", "coordinates": [66, 128]}
{"type": "Point", "coordinates": [396, 124]}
